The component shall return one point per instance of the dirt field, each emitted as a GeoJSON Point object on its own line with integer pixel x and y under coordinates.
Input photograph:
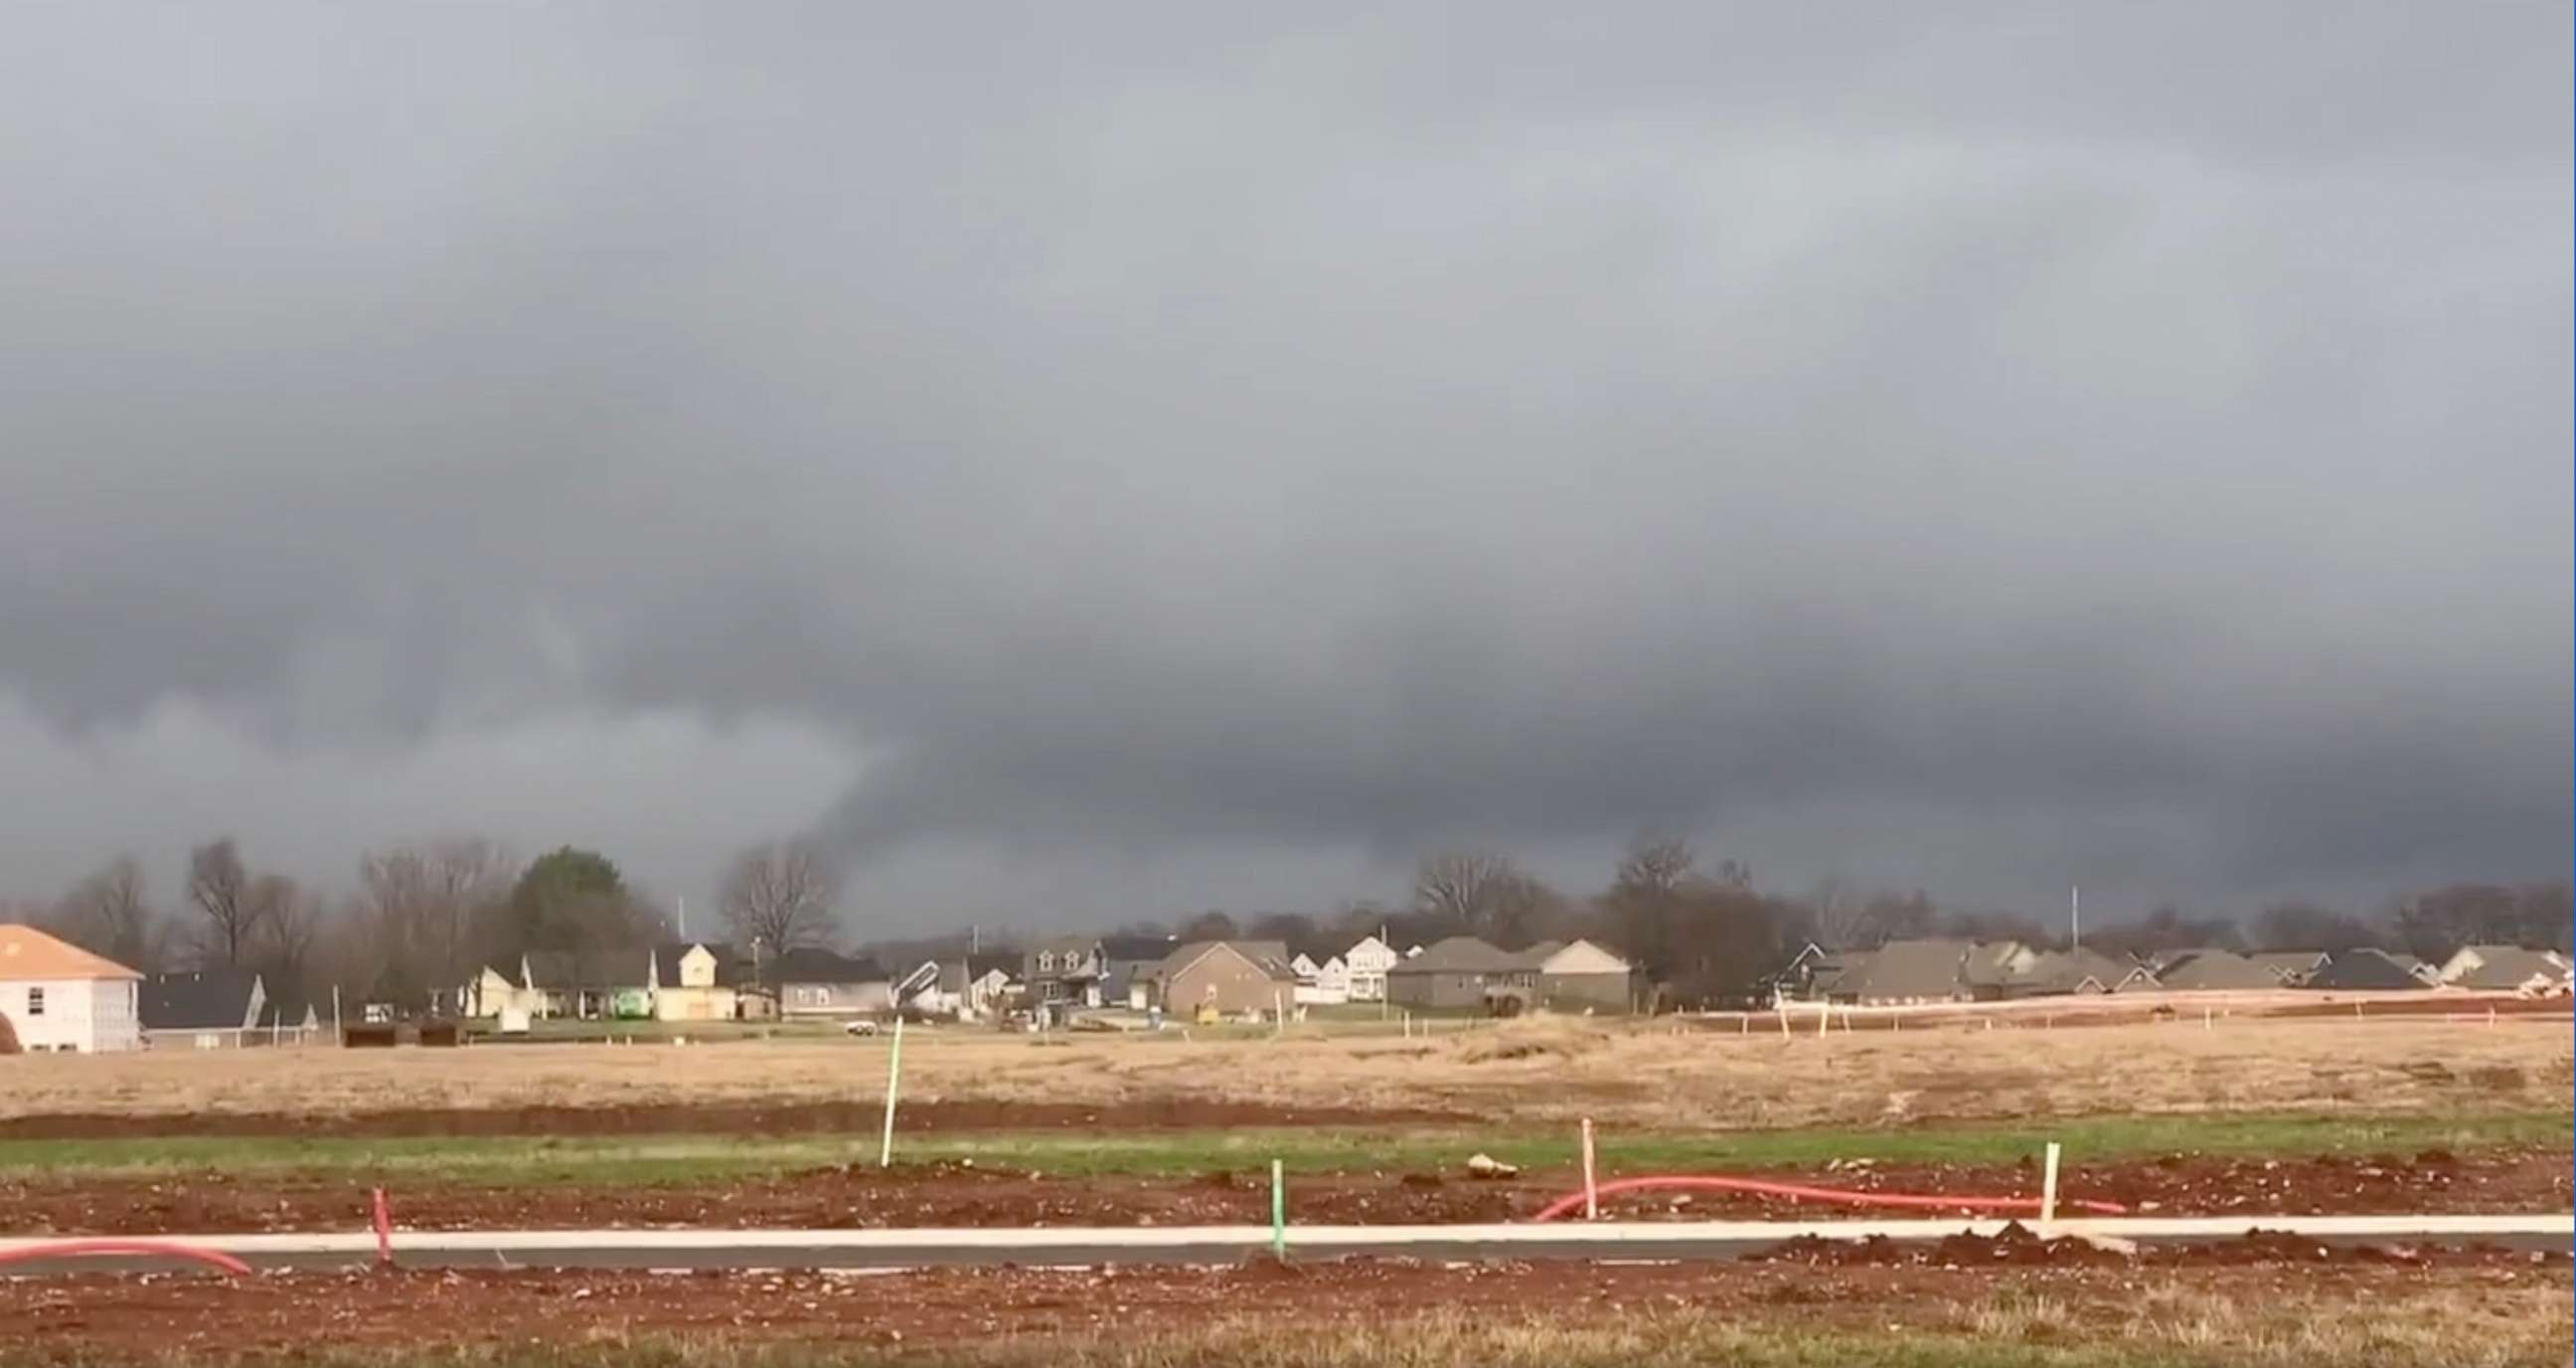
{"type": "Point", "coordinates": [1652, 1075]}
{"type": "Point", "coordinates": [957, 1195]}
{"type": "Point", "coordinates": [2255, 1304]}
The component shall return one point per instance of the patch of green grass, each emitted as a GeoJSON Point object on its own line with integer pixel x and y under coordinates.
{"type": "Point", "coordinates": [666, 1160]}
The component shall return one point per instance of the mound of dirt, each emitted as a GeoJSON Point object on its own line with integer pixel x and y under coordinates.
{"type": "Point", "coordinates": [1535, 1039]}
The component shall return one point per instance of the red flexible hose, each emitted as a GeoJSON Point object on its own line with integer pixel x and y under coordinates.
{"type": "Point", "coordinates": [171, 1249]}
{"type": "Point", "coordinates": [1573, 1201]}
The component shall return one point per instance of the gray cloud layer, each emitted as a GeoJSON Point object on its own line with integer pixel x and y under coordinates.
{"type": "Point", "coordinates": [1103, 461]}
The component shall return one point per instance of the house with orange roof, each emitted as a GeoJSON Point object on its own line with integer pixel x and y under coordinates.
{"type": "Point", "coordinates": [56, 996]}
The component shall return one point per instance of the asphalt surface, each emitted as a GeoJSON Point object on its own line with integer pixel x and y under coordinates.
{"type": "Point", "coordinates": [1067, 1246]}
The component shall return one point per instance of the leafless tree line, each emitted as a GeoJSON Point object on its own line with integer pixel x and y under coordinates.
{"type": "Point", "coordinates": [424, 917]}
{"type": "Point", "coordinates": [421, 919]}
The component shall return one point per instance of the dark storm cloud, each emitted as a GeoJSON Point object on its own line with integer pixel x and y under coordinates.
{"type": "Point", "coordinates": [1195, 456]}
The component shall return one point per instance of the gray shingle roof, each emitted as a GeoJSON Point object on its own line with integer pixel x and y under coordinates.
{"type": "Point", "coordinates": [205, 1000]}
{"type": "Point", "coordinates": [1460, 955]}
{"type": "Point", "coordinates": [1934, 970]}
{"type": "Point", "coordinates": [2203, 970]}
{"type": "Point", "coordinates": [2505, 967]}
{"type": "Point", "coordinates": [806, 964]}
{"type": "Point", "coordinates": [2367, 968]}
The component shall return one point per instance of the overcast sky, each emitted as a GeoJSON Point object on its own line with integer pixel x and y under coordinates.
{"type": "Point", "coordinates": [1105, 461]}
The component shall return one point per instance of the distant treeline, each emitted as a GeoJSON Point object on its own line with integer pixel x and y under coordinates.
{"type": "Point", "coordinates": [424, 918]}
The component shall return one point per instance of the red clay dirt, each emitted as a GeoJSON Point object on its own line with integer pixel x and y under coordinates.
{"type": "Point", "coordinates": [98, 1317]}
{"type": "Point", "coordinates": [957, 1194]}
{"type": "Point", "coordinates": [830, 1118]}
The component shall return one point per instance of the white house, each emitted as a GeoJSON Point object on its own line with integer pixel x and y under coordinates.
{"type": "Point", "coordinates": [969, 988]}
{"type": "Point", "coordinates": [1365, 965]}
{"type": "Point", "coordinates": [57, 996]}
{"type": "Point", "coordinates": [1326, 984]}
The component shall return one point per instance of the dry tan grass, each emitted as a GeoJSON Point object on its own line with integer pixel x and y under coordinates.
{"type": "Point", "coordinates": [2452, 1322]}
{"type": "Point", "coordinates": [1642, 1074]}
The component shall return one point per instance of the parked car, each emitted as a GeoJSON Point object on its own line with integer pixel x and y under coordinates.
{"type": "Point", "coordinates": [860, 1028]}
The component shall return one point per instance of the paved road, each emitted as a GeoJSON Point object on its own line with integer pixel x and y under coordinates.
{"type": "Point", "coordinates": [880, 1249]}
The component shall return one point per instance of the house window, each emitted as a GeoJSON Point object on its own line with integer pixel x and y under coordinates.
{"type": "Point", "coordinates": [35, 1002]}
{"type": "Point", "coordinates": [1046, 961]}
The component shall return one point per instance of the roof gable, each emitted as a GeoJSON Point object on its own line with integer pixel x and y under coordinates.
{"type": "Point", "coordinates": [2366, 968]}
{"type": "Point", "coordinates": [27, 953]}
{"type": "Point", "coordinates": [208, 1000]}
{"type": "Point", "coordinates": [2501, 966]}
{"type": "Point", "coordinates": [1909, 969]}
{"type": "Point", "coordinates": [807, 964]}
{"type": "Point", "coordinates": [1583, 957]}
{"type": "Point", "coordinates": [1460, 955]}
{"type": "Point", "coordinates": [2215, 969]}
{"type": "Point", "coordinates": [1135, 949]}
{"type": "Point", "coordinates": [1270, 958]}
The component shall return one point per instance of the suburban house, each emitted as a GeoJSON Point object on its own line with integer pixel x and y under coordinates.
{"type": "Point", "coordinates": [2079, 970]}
{"type": "Point", "coordinates": [818, 983]}
{"type": "Point", "coordinates": [2191, 971]}
{"type": "Point", "coordinates": [699, 982]}
{"type": "Point", "coordinates": [294, 1020]}
{"type": "Point", "coordinates": [1227, 978]}
{"type": "Point", "coordinates": [1367, 963]}
{"type": "Point", "coordinates": [967, 987]}
{"type": "Point", "coordinates": [2291, 968]}
{"type": "Point", "coordinates": [2370, 969]}
{"type": "Point", "coordinates": [1065, 971]}
{"type": "Point", "coordinates": [1911, 972]}
{"type": "Point", "coordinates": [2506, 968]}
{"type": "Point", "coordinates": [1127, 968]}
{"type": "Point", "coordinates": [207, 1009]}
{"type": "Point", "coordinates": [1580, 976]}
{"type": "Point", "coordinates": [1810, 973]}
{"type": "Point", "coordinates": [56, 996]}
{"type": "Point", "coordinates": [1325, 982]}
{"type": "Point", "coordinates": [561, 983]}
{"type": "Point", "coordinates": [1460, 971]}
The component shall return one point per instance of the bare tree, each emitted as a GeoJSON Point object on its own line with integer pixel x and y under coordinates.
{"type": "Point", "coordinates": [1480, 894]}
{"type": "Point", "coordinates": [780, 894]}
{"type": "Point", "coordinates": [106, 913]}
{"type": "Point", "coordinates": [1654, 864]}
{"type": "Point", "coordinates": [1842, 923]}
{"type": "Point", "coordinates": [289, 920]}
{"type": "Point", "coordinates": [467, 876]}
{"type": "Point", "coordinates": [219, 885]}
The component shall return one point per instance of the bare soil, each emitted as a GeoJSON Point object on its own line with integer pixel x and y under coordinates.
{"type": "Point", "coordinates": [109, 1316]}
{"type": "Point", "coordinates": [958, 1194]}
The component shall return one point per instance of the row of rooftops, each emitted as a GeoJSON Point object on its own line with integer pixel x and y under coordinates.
{"type": "Point", "coordinates": [1948, 970]}
{"type": "Point", "coordinates": [1455, 954]}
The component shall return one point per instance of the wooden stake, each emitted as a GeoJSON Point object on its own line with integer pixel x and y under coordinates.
{"type": "Point", "coordinates": [1591, 1187]}
{"type": "Point", "coordinates": [2048, 1191]}
{"type": "Point", "coordinates": [894, 1079]}
{"type": "Point", "coordinates": [1278, 1210]}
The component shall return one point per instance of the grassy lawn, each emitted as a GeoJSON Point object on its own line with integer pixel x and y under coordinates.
{"type": "Point", "coordinates": [2529, 1326]}
{"type": "Point", "coordinates": [683, 1159]}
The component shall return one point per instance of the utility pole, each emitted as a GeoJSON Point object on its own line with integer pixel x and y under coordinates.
{"type": "Point", "coordinates": [2075, 917]}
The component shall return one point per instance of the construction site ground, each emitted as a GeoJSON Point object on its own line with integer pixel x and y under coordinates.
{"type": "Point", "coordinates": [966, 1194]}
{"type": "Point", "coordinates": [1994, 1294]}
